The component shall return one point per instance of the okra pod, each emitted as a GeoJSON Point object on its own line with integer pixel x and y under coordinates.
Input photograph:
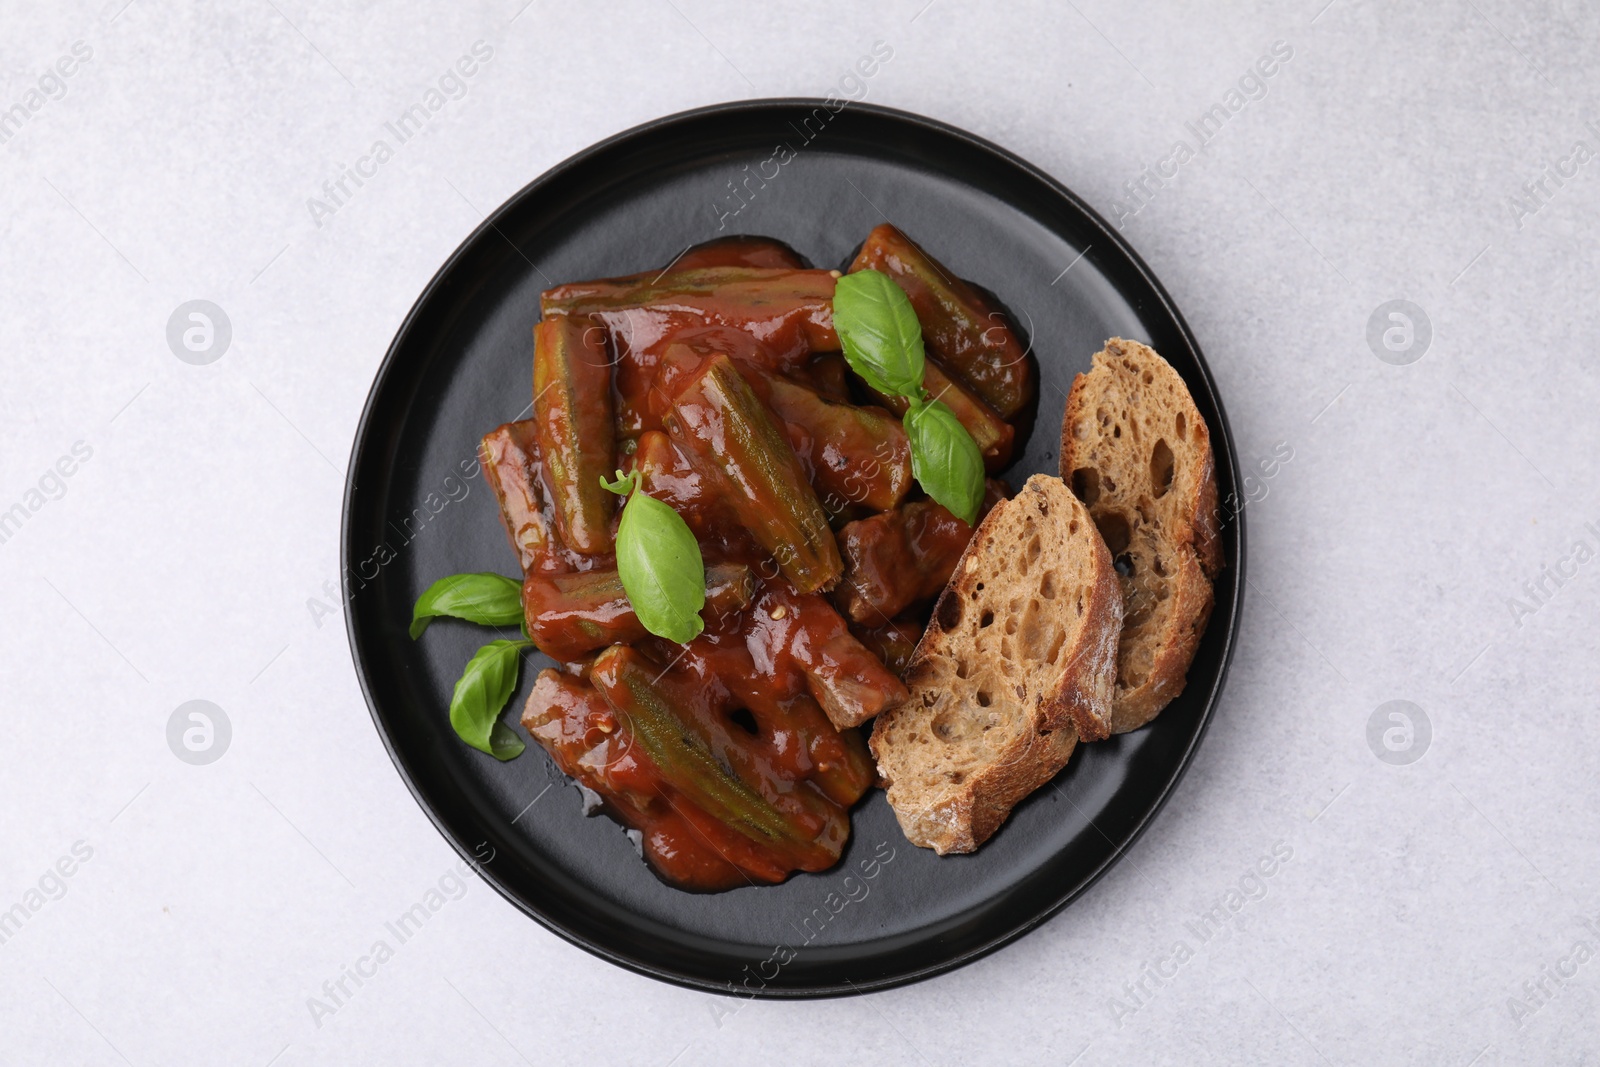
{"type": "Point", "coordinates": [857, 455]}
{"type": "Point", "coordinates": [577, 429]}
{"type": "Point", "coordinates": [697, 758]}
{"type": "Point", "coordinates": [969, 335]}
{"type": "Point", "coordinates": [847, 781]}
{"type": "Point", "coordinates": [570, 615]}
{"type": "Point", "coordinates": [741, 251]}
{"type": "Point", "coordinates": [994, 435]}
{"type": "Point", "coordinates": [790, 310]}
{"type": "Point", "coordinates": [729, 437]}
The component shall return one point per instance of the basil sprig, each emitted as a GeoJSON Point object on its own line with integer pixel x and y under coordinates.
{"type": "Point", "coordinates": [481, 691]}
{"type": "Point", "coordinates": [659, 562]}
{"type": "Point", "coordinates": [882, 342]}
{"type": "Point", "coordinates": [490, 677]}
{"type": "Point", "coordinates": [487, 599]}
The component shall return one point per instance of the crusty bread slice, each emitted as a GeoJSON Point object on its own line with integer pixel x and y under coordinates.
{"type": "Point", "coordinates": [1020, 656]}
{"type": "Point", "coordinates": [1136, 452]}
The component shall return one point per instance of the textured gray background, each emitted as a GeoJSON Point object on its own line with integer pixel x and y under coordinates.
{"type": "Point", "coordinates": [188, 556]}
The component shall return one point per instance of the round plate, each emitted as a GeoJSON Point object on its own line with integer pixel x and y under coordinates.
{"type": "Point", "coordinates": [417, 508]}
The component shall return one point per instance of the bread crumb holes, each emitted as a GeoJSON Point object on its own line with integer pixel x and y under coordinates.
{"type": "Point", "coordinates": [1161, 468]}
{"type": "Point", "coordinates": [1086, 484]}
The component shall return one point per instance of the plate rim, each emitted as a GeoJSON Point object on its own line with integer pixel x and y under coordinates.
{"type": "Point", "coordinates": [849, 988]}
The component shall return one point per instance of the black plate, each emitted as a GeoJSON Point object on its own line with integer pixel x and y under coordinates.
{"type": "Point", "coordinates": [461, 364]}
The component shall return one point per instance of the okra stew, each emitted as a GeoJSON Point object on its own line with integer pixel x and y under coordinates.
{"type": "Point", "coordinates": [744, 483]}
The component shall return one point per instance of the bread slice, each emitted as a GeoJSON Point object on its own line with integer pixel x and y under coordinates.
{"type": "Point", "coordinates": [1136, 452]}
{"type": "Point", "coordinates": [1020, 655]}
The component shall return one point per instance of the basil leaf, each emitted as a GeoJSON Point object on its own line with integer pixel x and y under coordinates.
{"type": "Point", "coordinates": [659, 562]}
{"type": "Point", "coordinates": [489, 599]}
{"type": "Point", "coordinates": [879, 332]}
{"type": "Point", "coordinates": [945, 459]}
{"type": "Point", "coordinates": [481, 693]}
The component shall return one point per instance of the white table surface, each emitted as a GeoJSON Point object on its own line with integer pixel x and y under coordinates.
{"type": "Point", "coordinates": [185, 557]}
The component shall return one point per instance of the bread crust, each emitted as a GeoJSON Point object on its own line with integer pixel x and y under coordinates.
{"type": "Point", "coordinates": [1194, 546]}
{"type": "Point", "coordinates": [1180, 639]}
{"type": "Point", "coordinates": [1079, 702]}
{"type": "Point", "coordinates": [962, 823]}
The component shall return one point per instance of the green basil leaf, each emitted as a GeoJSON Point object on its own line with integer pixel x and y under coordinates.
{"type": "Point", "coordinates": [481, 693]}
{"type": "Point", "coordinates": [489, 599]}
{"type": "Point", "coordinates": [945, 459]}
{"type": "Point", "coordinates": [659, 562]}
{"type": "Point", "coordinates": [879, 332]}
{"type": "Point", "coordinates": [504, 744]}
